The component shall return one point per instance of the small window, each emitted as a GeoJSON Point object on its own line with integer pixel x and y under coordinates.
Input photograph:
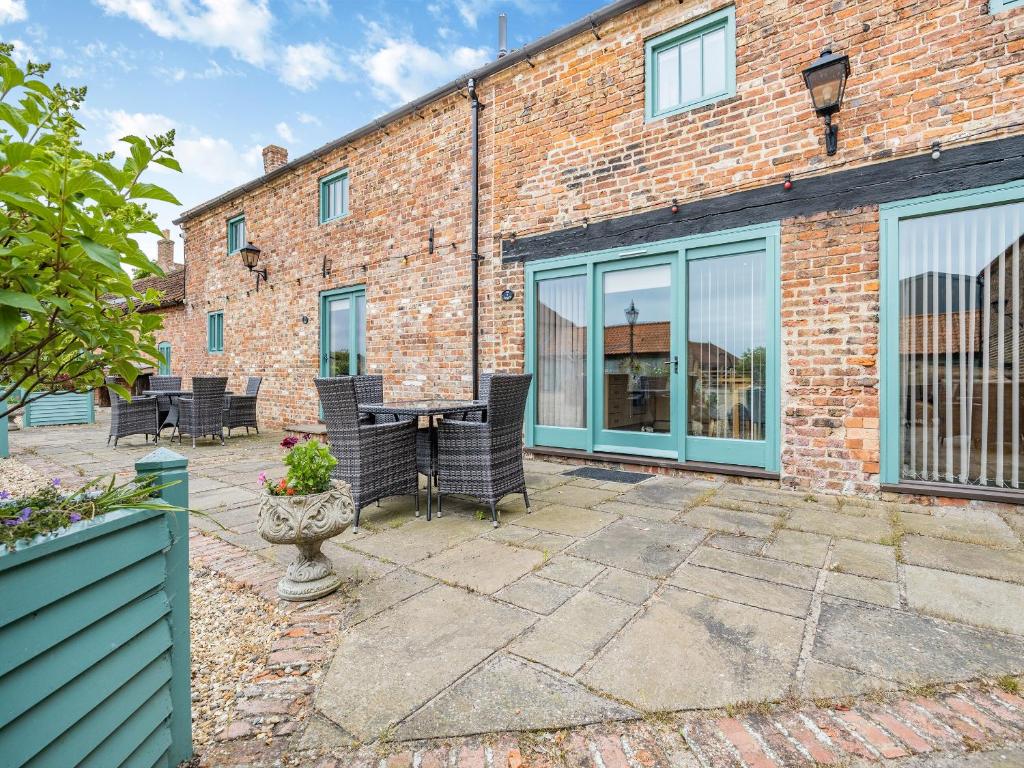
{"type": "Point", "coordinates": [215, 332]}
{"type": "Point", "coordinates": [333, 196]}
{"type": "Point", "coordinates": [692, 65]}
{"type": "Point", "coordinates": [995, 6]}
{"type": "Point", "coordinates": [236, 233]}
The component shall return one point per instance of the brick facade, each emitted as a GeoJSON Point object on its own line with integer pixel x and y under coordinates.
{"type": "Point", "coordinates": [563, 138]}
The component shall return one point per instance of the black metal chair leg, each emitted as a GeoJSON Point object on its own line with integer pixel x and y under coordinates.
{"type": "Point", "coordinates": [417, 497]}
{"type": "Point", "coordinates": [494, 514]}
{"type": "Point", "coordinates": [355, 526]}
{"type": "Point", "coordinates": [526, 498]}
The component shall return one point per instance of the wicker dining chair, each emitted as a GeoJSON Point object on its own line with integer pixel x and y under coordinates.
{"type": "Point", "coordinates": [164, 383]}
{"type": "Point", "coordinates": [376, 460]}
{"type": "Point", "coordinates": [240, 410]}
{"type": "Point", "coordinates": [203, 413]}
{"type": "Point", "coordinates": [485, 459]}
{"type": "Point", "coordinates": [426, 455]}
{"type": "Point", "coordinates": [370, 389]}
{"type": "Point", "coordinates": [138, 416]}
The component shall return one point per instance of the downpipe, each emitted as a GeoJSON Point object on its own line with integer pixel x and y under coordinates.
{"type": "Point", "coordinates": [474, 237]}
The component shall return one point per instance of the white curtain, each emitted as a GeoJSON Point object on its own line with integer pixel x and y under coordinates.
{"type": "Point", "coordinates": [561, 331]}
{"type": "Point", "coordinates": [960, 346]}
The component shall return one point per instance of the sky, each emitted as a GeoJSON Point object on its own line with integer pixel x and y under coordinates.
{"type": "Point", "coordinates": [231, 76]}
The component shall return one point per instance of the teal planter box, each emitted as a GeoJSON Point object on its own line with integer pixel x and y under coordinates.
{"type": "Point", "coordinates": [5, 449]}
{"type": "Point", "coordinates": [62, 408]}
{"type": "Point", "coordinates": [94, 666]}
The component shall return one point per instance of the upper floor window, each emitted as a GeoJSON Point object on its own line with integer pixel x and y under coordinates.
{"type": "Point", "coordinates": [995, 6]}
{"type": "Point", "coordinates": [236, 233]}
{"type": "Point", "coordinates": [692, 65]}
{"type": "Point", "coordinates": [215, 332]}
{"type": "Point", "coordinates": [333, 196]}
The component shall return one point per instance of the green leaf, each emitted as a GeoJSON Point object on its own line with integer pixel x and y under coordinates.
{"type": "Point", "coordinates": [146, 191]}
{"type": "Point", "coordinates": [20, 300]}
{"type": "Point", "coordinates": [168, 162]}
{"type": "Point", "coordinates": [101, 254]}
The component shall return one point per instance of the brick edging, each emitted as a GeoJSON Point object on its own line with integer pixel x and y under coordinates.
{"type": "Point", "coordinates": [958, 719]}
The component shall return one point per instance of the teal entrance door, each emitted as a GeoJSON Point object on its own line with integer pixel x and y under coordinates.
{"type": "Point", "coordinates": [343, 332]}
{"type": "Point", "coordinates": [637, 358]}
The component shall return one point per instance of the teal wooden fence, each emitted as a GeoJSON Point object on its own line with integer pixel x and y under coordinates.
{"type": "Point", "coordinates": [63, 408]}
{"type": "Point", "coordinates": [94, 644]}
{"type": "Point", "coordinates": [5, 449]}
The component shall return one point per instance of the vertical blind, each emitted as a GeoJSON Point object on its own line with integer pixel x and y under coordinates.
{"type": "Point", "coordinates": [561, 329]}
{"type": "Point", "coordinates": [960, 346]}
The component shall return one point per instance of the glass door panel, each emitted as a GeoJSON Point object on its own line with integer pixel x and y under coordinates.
{"type": "Point", "coordinates": [343, 332]}
{"type": "Point", "coordinates": [637, 357]}
{"type": "Point", "coordinates": [726, 365]}
{"type": "Point", "coordinates": [339, 313]}
{"type": "Point", "coordinates": [560, 366]}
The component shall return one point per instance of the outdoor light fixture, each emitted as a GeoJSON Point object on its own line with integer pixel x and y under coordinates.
{"type": "Point", "coordinates": [826, 80]}
{"type": "Point", "coordinates": [250, 258]}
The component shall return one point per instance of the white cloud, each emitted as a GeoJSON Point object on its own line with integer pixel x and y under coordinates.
{"type": "Point", "coordinates": [304, 66]}
{"type": "Point", "coordinates": [285, 132]}
{"type": "Point", "coordinates": [24, 52]}
{"type": "Point", "coordinates": [471, 11]}
{"type": "Point", "coordinates": [120, 123]}
{"type": "Point", "coordinates": [307, 119]}
{"type": "Point", "coordinates": [400, 69]}
{"type": "Point", "coordinates": [241, 26]}
{"type": "Point", "coordinates": [12, 10]}
{"type": "Point", "coordinates": [314, 7]}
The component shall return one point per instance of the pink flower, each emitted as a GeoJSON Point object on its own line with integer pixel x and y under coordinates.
{"type": "Point", "coordinates": [289, 442]}
{"type": "Point", "coordinates": [262, 477]}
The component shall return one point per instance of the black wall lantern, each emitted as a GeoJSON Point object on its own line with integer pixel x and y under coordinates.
{"type": "Point", "coordinates": [826, 80]}
{"type": "Point", "coordinates": [250, 258]}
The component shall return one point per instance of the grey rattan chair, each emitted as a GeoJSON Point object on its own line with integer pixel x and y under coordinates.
{"type": "Point", "coordinates": [240, 410]}
{"type": "Point", "coordinates": [163, 402]}
{"type": "Point", "coordinates": [485, 459]}
{"type": "Point", "coordinates": [139, 416]}
{"type": "Point", "coordinates": [203, 413]}
{"type": "Point", "coordinates": [370, 389]}
{"type": "Point", "coordinates": [424, 460]}
{"type": "Point", "coordinates": [377, 460]}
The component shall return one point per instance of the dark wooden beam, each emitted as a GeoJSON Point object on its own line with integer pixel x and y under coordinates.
{"type": "Point", "coordinates": [975, 165]}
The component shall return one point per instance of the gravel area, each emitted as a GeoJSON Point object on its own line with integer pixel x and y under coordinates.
{"type": "Point", "coordinates": [19, 479]}
{"type": "Point", "coordinates": [232, 631]}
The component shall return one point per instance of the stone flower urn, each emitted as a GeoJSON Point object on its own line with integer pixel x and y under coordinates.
{"type": "Point", "coordinates": [306, 522]}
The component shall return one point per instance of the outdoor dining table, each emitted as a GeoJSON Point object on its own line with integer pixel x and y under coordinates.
{"type": "Point", "coordinates": [171, 419]}
{"type": "Point", "coordinates": [431, 409]}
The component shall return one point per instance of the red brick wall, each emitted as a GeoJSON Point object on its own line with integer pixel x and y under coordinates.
{"type": "Point", "coordinates": [565, 139]}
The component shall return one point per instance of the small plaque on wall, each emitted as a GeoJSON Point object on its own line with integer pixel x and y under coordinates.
{"type": "Point", "coordinates": [507, 295]}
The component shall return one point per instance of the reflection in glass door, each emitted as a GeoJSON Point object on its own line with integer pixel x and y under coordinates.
{"type": "Point", "coordinates": [638, 361]}
{"type": "Point", "coordinates": [726, 355]}
{"type": "Point", "coordinates": [343, 333]}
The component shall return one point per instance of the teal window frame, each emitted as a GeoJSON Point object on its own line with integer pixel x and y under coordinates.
{"type": "Point", "coordinates": [215, 332]}
{"type": "Point", "coordinates": [353, 291]}
{"type": "Point", "coordinates": [325, 182]}
{"type": "Point", "coordinates": [764, 454]}
{"type": "Point", "coordinates": [722, 19]}
{"type": "Point", "coordinates": [890, 216]}
{"type": "Point", "coordinates": [236, 234]}
{"type": "Point", "coordinates": [998, 6]}
{"type": "Point", "coordinates": [164, 348]}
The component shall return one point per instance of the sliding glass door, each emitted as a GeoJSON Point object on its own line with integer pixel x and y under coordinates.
{"type": "Point", "coordinates": [954, 277]}
{"type": "Point", "coordinates": [669, 351]}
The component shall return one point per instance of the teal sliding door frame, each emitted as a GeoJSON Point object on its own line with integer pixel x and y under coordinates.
{"type": "Point", "coordinates": [352, 293]}
{"type": "Point", "coordinates": [725, 242]}
{"type": "Point", "coordinates": [890, 216]}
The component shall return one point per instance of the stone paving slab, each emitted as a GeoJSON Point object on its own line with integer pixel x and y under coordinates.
{"type": "Point", "coordinates": [536, 594]}
{"type": "Point", "coordinates": [730, 521]}
{"type": "Point", "coordinates": [862, 558]}
{"type": "Point", "coordinates": [910, 648]}
{"type": "Point", "coordinates": [668, 492]}
{"type": "Point", "coordinates": [385, 592]}
{"type": "Point", "coordinates": [574, 571]}
{"type": "Point", "coordinates": [748, 545]}
{"type": "Point", "coordinates": [959, 557]}
{"type": "Point", "coordinates": [823, 680]}
{"type": "Point", "coordinates": [509, 694]}
{"type": "Point", "coordinates": [799, 547]}
{"type": "Point", "coordinates": [646, 547]}
{"type": "Point", "coordinates": [417, 539]}
{"type": "Point", "coordinates": [764, 568]}
{"type": "Point", "coordinates": [970, 599]}
{"type": "Point", "coordinates": [566, 520]}
{"type": "Point", "coordinates": [480, 565]}
{"type": "Point", "coordinates": [571, 635]}
{"type": "Point", "coordinates": [574, 495]}
{"type": "Point", "coordinates": [390, 665]}
{"type": "Point", "coordinates": [885, 593]}
{"type": "Point", "coordinates": [742, 589]}
{"type": "Point", "coordinates": [623, 509]}
{"type": "Point", "coordinates": [971, 526]}
{"type": "Point", "coordinates": [625, 586]}
{"type": "Point", "coordinates": [838, 524]}
{"type": "Point", "coordinates": [688, 651]}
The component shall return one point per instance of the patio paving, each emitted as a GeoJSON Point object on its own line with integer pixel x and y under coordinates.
{"type": "Point", "coordinates": [616, 600]}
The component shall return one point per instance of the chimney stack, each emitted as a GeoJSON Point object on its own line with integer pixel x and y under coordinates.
{"type": "Point", "coordinates": [165, 252]}
{"type": "Point", "coordinates": [274, 157]}
{"type": "Point", "coordinates": [502, 34]}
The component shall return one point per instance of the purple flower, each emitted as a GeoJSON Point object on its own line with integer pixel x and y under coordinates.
{"type": "Point", "coordinates": [289, 442]}
{"type": "Point", "coordinates": [26, 513]}
{"type": "Point", "coordinates": [5, 495]}
{"type": "Point", "coordinates": [74, 517]}
{"type": "Point", "coordinates": [11, 522]}
{"type": "Point", "coordinates": [307, 436]}
{"type": "Point", "coordinates": [56, 482]}
{"type": "Point", "coordinates": [262, 477]}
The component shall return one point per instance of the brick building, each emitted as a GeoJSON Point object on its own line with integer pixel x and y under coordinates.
{"type": "Point", "coordinates": [664, 156]}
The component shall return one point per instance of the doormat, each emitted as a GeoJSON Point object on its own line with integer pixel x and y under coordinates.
{"type": "Point", "coordinates": [608, 475]}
